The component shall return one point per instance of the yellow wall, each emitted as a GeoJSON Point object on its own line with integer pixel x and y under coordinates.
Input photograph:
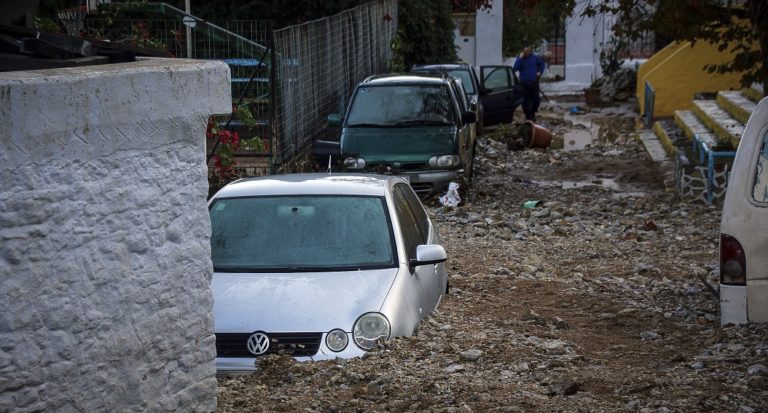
{"type": "Point", "coordinates": [681, 74]}
{"type": "Point", "coordinates": [650, 64]}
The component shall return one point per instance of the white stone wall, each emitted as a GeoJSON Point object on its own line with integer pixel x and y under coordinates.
{"type": "Point", "coordinates": [104, 237]}
{"type": "Point", "coordinates": [484, 48]}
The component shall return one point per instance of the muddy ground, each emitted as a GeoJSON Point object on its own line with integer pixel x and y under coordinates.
{"type": "Point", "coordinates": [599, 298]}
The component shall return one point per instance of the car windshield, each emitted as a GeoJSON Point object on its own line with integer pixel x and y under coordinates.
{"type": "Point", "coordinates": [300, 233]}
{"type": "Point", "coordinates": [400, 106]}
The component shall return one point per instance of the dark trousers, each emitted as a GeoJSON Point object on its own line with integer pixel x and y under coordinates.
{"type": "Point", "coordinates": [531, 99]}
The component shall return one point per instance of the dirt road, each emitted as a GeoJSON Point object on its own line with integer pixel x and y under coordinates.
{"type": "Point", "coordinates": [591, 301]}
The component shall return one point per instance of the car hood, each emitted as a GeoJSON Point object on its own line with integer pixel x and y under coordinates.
{"type": "Point", "coordinates": [399, 144]}
{"type": "Point", "coordinates": [296, 302]}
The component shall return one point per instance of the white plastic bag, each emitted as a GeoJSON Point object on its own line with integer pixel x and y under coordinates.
{"type": "Point", "coordinates": [451, 198]}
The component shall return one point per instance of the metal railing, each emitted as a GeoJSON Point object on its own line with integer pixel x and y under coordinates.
{"type": "Point", "coordinates": [648, 105]}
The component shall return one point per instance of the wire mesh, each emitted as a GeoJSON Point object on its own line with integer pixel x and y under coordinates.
{"type": "Point", "coordinates": [319, 63]}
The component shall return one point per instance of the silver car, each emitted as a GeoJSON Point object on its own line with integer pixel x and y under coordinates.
{"type": "Point", "coordinates": [319, 266]}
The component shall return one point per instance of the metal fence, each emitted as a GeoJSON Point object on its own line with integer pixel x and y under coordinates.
{"type": "Point", "coordinates": [318, 64]}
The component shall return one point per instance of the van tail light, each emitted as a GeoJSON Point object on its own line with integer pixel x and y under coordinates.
{"type": "Point", "coordinates": [733, 263]}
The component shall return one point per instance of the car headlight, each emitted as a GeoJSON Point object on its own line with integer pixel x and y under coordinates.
{"type": "Point", "coordinates": [354, 163]}
{"type": "Point", "coordinates": [336, 340]}
{"type": "Point", "coordinates": [444, 161]}
{"type": "Point", "coordinates": [370, 329]}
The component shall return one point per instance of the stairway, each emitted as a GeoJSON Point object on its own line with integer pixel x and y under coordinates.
{"type": "Point", "coordinates": [701, 142]}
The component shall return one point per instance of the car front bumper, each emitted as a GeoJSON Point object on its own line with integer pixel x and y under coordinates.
{"type": "Point", "coordinates": [240, 365]}
{"type": "Point", "coordinates": [427, 183]}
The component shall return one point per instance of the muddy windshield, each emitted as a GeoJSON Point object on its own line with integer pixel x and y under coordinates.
{"type": "Point", "coordinates": [400, 106]}
{"type": "Point", "coordinates": [300, 233]}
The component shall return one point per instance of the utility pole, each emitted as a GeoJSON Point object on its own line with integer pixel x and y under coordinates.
{"type": "Point", "coordinates": [188, 29]}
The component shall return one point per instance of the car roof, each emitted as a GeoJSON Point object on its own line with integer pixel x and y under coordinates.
{"type": "Point", "coordinates": [442, 66]}
{"type": "Point", "coordinates": [406, 78]}
{"type": "Point", "coordinates": [309, 184]}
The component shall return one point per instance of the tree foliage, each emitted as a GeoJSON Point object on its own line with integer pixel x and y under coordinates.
{"type": "Point", "coordinates": [424, 33]}
{"type": "Point", "coordinates": [737, 26]}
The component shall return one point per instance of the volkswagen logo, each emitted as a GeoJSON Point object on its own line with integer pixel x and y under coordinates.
{"type": "Point", "coordinates": [396, 164]}
{"type": "Point", "coordinates": [258, 343]}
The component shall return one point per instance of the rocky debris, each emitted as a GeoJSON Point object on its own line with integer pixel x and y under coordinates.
{"type": "Point", "coordinates": [618, 86]}
{"type": "Point", "coordinates": [551, 311]}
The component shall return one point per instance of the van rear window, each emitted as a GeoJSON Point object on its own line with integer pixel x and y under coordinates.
{"type": "Point", "coordinates": [760, 190]}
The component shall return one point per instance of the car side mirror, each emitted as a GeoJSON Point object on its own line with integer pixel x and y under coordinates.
{"type": "Point", "coordinates": [334, 119]}
{"type": "Point", "coordinates": [429, 255]}
{"type": "Point", "coordinates": [468, 117]}
{"type": "Point", "coordinates": [485, 91]}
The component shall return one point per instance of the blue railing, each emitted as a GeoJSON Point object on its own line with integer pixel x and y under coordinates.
{"type": "Point", "coordinates": [650, 100]}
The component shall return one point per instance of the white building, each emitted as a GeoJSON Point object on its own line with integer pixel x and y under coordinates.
{"type": "Point", "coordinates": [479, 42]}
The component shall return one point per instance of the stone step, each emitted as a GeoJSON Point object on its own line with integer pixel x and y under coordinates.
{"type": "Point", "coordinates": [671, 136]}
{"type": "Point", "coordinates": [664, 139]}
{"type": "Point", "coordinates": [691, 125]}
{"type": "Point", "coordinates": [717, 120]}
{"type": "Point", "coordinates": [736, 104]}
{"type": "Point", "coordinates": [754, 92]}
{"type": "Point", "coordinates": [652, 145]}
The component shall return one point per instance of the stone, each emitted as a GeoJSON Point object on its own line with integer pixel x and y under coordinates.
{"type": "Point", "coordinates": [559, 323]}
{"type": "Point", "coordinates": [565, 387]}
{"type": "Point", "coordinates": [471, 355]}
{"type": "Point", "coordinates": [649, 336]}
{"type": "Point", "coordinates": [755, 369]}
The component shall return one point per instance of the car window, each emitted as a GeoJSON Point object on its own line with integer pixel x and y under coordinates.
{"type": "Point", "coordinates": [461, 96]}
{"type": "Point", "coordinates": [408, 225]}
{"type": "Point", "coordinates": [400, 105]}
{"type": "Point", "coordinates": [760, 188]}
{"type": "Point", "coordinates": [295, 233]}
{"type": "Point", "coordinates": [464, 76]}
{"type": "Point", "coordinates": [496, 78]}
{"type": "Point", "coordinates": [422, 220]}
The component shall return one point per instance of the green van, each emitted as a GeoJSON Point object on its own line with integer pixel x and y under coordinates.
{"type": "Point", "coordinates": [417, 126]}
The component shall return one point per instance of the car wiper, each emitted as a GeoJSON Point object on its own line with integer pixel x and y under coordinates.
{"type": "Point", "coordinates": [368, 125]}
{"type": "Point", "coordinates": [423, 122]}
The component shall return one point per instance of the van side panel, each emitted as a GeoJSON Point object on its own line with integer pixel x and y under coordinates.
{"type": "Point", "coordinates": [757, 300]}
{"type": "Point", "coordinates": [747, 221]}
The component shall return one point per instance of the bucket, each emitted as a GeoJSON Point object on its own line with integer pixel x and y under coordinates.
{"type": "Point", "coordinates": [540, 137]}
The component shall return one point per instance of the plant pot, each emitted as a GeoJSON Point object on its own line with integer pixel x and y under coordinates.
{"type": "Point", "coordinates": [592, 96]}
{"type": "Point", "coordinates": [537, 136]}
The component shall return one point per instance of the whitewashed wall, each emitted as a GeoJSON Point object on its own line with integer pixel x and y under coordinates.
{"type": "Point", "coordinates": [104, 237]}
{"type": "Point", "coordinates": [484, 48]}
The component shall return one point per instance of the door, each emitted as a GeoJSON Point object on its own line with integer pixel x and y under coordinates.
{"type": "Point", "coordinates": [415, 226]}
{"type": "Point", "coordinates": [501, 96]}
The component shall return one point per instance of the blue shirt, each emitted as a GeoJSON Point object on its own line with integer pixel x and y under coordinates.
{"type": "Point", "coordinates": [528, 67]}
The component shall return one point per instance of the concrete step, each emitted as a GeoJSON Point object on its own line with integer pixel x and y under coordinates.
{"type": "Point", "coordinates": [653, 146]}
{"type": "Point", "coordinates": [736, 104]}
{"type": "Point", "coordinates": [754, 92]}
{"type": "Point", "coordinates": [717, 120]}
{"type": "Point", "coordinates": [671, 137]}
{"type": "Point", "coordinates": [658, 154]}
{"type": "Point", "coordinates": [691, 125]}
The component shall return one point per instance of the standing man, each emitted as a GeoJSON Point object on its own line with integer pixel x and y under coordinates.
{"type": "Point", "coordinates": [530, 67]}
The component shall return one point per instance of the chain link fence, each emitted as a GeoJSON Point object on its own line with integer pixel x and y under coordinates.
{"type": "Point", "coordinates": [319, 63]}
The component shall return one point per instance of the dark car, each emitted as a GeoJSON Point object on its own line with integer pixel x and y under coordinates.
{"type": "Point", "coordinates": [494, 96]}
{"type": "Point", "coordinates": [417, 126]}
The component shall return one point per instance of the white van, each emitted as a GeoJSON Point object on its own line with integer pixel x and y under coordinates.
{"type": "Point", "coordinates": [744, 227]}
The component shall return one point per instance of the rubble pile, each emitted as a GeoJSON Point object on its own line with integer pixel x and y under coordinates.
{"type": "Point", "coordinates": [618, 86]}
{"type": "Point", "coordinates": [577, 284]}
